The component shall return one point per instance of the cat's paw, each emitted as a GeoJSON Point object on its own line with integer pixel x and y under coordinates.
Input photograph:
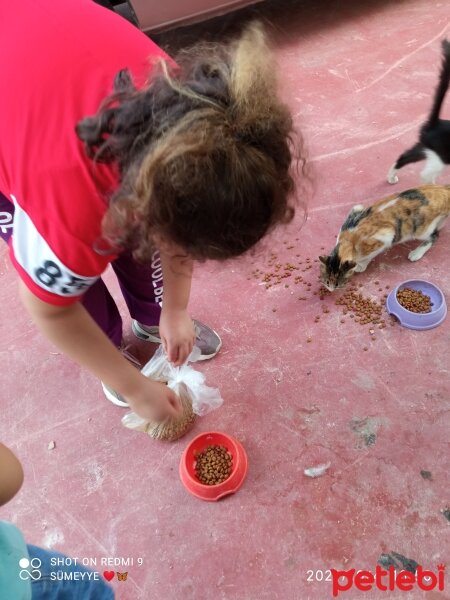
{"type": "Point", "coordinates": [360, 268]}
{"type": "Point", "coordinates": [392, 175]}
{"type": "Point", "coordinates": [392, 178]}
{"type": "Point", "coordinates": [416, 254]}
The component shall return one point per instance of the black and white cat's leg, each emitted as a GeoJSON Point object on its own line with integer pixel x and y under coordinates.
{"type": "Point", "coordinates": [433, 167]}
{"type": "Point", "coordinates": [414, 154]}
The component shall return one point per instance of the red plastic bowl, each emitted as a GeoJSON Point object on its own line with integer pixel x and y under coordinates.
{"type": "Point", "coordinates": [213, 493]}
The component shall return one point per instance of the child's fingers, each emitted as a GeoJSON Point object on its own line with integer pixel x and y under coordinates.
{"type": "Point", "coordinates": [177, 410]}
{"type": "Point", "coordinates": [172, 352]}
{"type": "Point", "coordinates": [178, 353]}
{"type": "Point", "coordinates": [174, 405]}
{"type": "Point", "coordinates": [181, 354]}
{"type": "Point", "coordinates": [184, 352]}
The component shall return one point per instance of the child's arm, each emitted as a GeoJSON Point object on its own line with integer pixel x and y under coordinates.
{"type": "Point", "coordinates": [175, 325]}
{"type": "Point", "coordinates": [11, 475]}
{"type": "Point", "coordinates": [73, 331]}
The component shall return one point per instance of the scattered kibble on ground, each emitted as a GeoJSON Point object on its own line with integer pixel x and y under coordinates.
{"type": "Point", "coordinates": [362, 309]}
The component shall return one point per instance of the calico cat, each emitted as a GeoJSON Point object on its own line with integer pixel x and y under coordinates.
{"type": "Point", "coordinates": [415, 214]}
{"type": "Point", "coordinates": [434, 138]}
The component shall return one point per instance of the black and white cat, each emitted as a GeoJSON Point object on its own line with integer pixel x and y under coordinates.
{"type": "Point", "coordinates": [434, 139]}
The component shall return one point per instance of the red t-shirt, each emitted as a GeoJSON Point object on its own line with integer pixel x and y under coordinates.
{"type": "Point", "coordinates": [58, 60]}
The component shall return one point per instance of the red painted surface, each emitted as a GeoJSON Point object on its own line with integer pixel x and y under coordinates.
{"type": "Point", "coordinates": [359, 78]}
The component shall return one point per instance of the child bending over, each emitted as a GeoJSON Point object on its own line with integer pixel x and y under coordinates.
{"type": "Point", "coordinates": [111, 153]}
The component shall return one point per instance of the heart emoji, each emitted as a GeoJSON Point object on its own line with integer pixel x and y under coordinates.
{"type": "Point", "coordinates": [108, 575]}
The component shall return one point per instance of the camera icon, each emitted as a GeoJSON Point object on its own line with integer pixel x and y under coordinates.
{"type": "Point", "coordinates": [34, 564]}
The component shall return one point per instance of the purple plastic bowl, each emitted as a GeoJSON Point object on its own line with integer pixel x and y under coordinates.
{"type": "Point", "coordinates": [418, 320]}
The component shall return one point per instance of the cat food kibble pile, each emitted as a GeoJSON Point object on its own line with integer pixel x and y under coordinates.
{"type": "Point", "coordinates": [364, 310]}
{"type": "Point", "coordinates": [276, 271]}
{"type": "Point", "coordinates": [357, 308]}
{"type": "Point", "coordinates": [213, 465]}
{"type": "Point", "coordinates": [414, 300]}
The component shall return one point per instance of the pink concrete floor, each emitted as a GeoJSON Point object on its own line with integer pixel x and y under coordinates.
{"type": "Point", "coordinates": [359, 78]}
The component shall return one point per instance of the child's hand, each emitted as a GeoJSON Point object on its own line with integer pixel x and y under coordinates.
{"type": "Point", "coordinates": [154, 401]}
{"type": "Point", "coordinates": [11, 475]}
{"type": "Point", "coordinates": [177, 334]}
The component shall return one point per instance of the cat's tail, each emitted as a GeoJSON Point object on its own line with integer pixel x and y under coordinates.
{"type": "Point", "coordinates": [441, 90]}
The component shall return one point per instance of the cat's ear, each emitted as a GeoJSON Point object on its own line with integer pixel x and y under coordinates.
{"type": "Point", "coordinates": [348, 265]}
{"type": "Point", "coordinates": [323, 259]}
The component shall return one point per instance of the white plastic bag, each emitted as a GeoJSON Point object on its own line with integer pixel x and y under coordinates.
{"type": "Point", "coordinates": [195, 396]}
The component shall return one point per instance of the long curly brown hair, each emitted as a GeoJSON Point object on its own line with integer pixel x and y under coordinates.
{"type": "Point", "coordinates": [204, 152]}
